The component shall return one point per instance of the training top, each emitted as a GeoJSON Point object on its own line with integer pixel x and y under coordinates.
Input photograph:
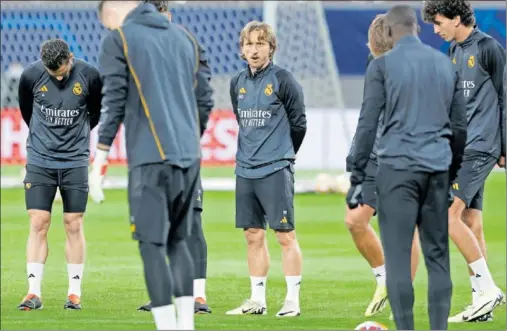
{"type": "Point", "coordinates": [59, 114]}
{"type": "Point", "coordinates": [157, 82]}
{"type": "Point", "coordinates": [480, 60]}
{"type": "Point", "coordinates": [270, 110]}
{"type": "Point", "coordinates": [373, 155]}
{"type": "Point", "coordinates": [424, 125]}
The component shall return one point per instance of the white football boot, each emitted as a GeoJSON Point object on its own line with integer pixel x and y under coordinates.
{"type": "Point", "coordinates": [249, 307]}
{"type": "Point", "coordinates": [289, 309]}
{"type": "Point", "coordinates": [484, 305]}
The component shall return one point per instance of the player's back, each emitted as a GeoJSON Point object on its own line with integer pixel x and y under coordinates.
{"type": "Point", "coordinates": [420, 85]}
{"type": "Point", "coordinates": [162, 60]}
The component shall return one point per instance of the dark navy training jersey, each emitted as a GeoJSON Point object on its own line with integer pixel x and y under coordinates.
{"type": "Point", "coordinates": [480, 60]}
{"type": "Point", "coordinates": [424, 124]}
{"type": "Point", "coordinates": [270, 110]}
{"type": "Point", "coordinates": [60, 114]}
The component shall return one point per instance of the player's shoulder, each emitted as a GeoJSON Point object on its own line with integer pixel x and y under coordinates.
{"type": "Point", "coordinates": [85, 68]}
{"type": "Point", "coordinates": [484, 41]}
{"type": "Point", "coordinates": [33, 70]}
{"type": "Point", "coordinates": [282, 74]}
{"type": "Point", "coordinates": [81, 64]}
{"type": "Point", "coordinates": [238, 76]}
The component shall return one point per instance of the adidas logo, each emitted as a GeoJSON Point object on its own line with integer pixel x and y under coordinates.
{"type": "Point", "coordinates": [75, 277]}
{"type": "Point", "coordinates": [31, 276]}
{"type": "Point", "coordinates": [44, 88]}
{"type": "Point", "coordinates": [298, 283]}
{"type": "Point", "coordinates": [378, 275]}
{"type": "Point", "coordinates": [260, 284]}
{"type": "Point", "coordinates": [478, 276]}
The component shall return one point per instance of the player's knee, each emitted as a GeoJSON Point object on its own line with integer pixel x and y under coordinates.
{"type": "Point", "coordinates": [255, 236]}
{"type": "Point", "coordinates": [73, 223]}
{"type": "Point", "coordinates": [473, 219]}
{"type": "Point", "coordinates": [455, 212]}
{"type": "Point", "coordinates": [39, 221]}
{"type": "Point", "coordinates": [286, 238]}
{"type": "Point", "coordinates": [357, 220]}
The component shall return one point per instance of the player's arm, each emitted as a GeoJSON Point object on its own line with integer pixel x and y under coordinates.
{"type": "Point", "coordinates": [458, 119]}
{"type": "Point", "coordinates": [203, 89]}
{"type": "Point", "coordinates": [234, 96]}
{"type": "Point", "coordinates": [374, 101]}
{"type": "Point", "coordinates": [291, 95]}
{"type": "Point", "coordinates": [114, 71]}
{"type": "Point", "coordinates": [94, 97]}
{"type": "Point", "coordinates": [492, 57]}
{"type": "Point", "coordinates": [25, 96]}
{"type": "Point", "coordinates": [350, 158]}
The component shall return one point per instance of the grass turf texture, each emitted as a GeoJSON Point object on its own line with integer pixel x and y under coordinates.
{"type": "Point", "coordinates": [337, 282]}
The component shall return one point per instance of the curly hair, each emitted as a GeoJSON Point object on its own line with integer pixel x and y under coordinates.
{"type": "Point", "coordinates": [449, 9]}
{"type": "Point", "coordinates": [54, 53]}
{"type": "Point", "coordinates": [377, 42]}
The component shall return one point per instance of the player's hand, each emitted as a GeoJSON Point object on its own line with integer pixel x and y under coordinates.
{"type": "Point", "coordinates": [355, 196]}
{"type": "Point", "coordinates": [99, 170]}
{"type": "Point", "coordinates": [501, 162]}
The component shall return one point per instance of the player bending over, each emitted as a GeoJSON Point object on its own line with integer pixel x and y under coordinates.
{"type": "Point", "coordinates": [161, 102]}
{"type": "Point", "coordinates": [358, 219]}
{"type": "Point", "coordinates": [59, 99]}
{"type": "Point", "coordinates": [270, 110]}
{"type": "Point", "coordinates": [480, 60]}
{"type": "Point", "coordinates": [196, 241]}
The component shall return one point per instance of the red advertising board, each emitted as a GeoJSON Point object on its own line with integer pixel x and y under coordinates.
{"type": "Point", "coordinates": [218, 142]}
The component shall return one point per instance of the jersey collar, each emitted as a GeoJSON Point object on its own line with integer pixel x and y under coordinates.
{"type": "Point", "coordinates": [260, 73]}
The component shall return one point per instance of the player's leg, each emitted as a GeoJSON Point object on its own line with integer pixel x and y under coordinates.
{"type": "Point", "coordinates": [40, 189]}
{"type": "Point", "coordinates": [471, 177]}
{"type": "Point", "coordinates": [250, 218]}
{"type": "Point", "coordinates": [472, 217]}
{"type": "Point", "coordinates": [433, 227]}
{"type": "Point", "coordinates": [181, 186]}
{"type": "Point", "coordinates": [74, 191]}
{"type": "Point", "coordinates": [276, 195]}
{"type": "Point", "coordinates": [398, 208]}
{"type": "Point", "coordinates": [366, 240]}
{"type": "Point", "coordinates": [199, 251]}
{"type": "Point", "coordinates": [149, 219]}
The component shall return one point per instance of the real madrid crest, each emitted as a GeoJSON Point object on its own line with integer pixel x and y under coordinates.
{"type": "Point", "coordinates": [471, 61]}
{"type": "Point", "coordinates": [268, 90]}
{"type": "Point", "coordinates": [28, 186]}
{"type": "Point", "coordinates": [77, 89]}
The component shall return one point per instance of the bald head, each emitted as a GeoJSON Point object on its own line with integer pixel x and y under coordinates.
{"type": "Point", "coordinates": [113, 13]}
{"type": "Point", "coordinates": [400, 21]}
{"type": "Point", "coordinates": [401, 15]}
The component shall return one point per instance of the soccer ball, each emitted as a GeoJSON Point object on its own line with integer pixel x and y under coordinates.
{"type": "Point", "coordinates": [324, 183]}
{"type": "Point", "coordinates": [371, 326]}
{"type": "Point", "coordinates": [343, 183]}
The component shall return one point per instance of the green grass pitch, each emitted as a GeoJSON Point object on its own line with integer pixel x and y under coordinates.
{"type": "Point", "coordinates": [337, 282]}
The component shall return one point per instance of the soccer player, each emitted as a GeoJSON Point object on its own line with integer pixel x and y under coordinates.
{"type": "Point", "coordinates": [480, 60]}
{"type": "Point", "coordinates": [358, 219]}
{"type": "Point", "coordinates": [151, 77]}
{"type": "Point", "coordinates": [422, 143]}
{"type": "Point", "coordinates": [196, 240]}
{"type": "Point", "coordinates": [59, 99]}
{"type": "Point", "coordinates": [270, 110]}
